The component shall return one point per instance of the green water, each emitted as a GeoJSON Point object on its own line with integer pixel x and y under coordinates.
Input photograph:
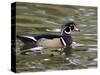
{"type": "Point", "coordinates": [36, 18]}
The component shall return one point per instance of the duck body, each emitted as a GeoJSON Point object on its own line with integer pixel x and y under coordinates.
{"type": "Point", "coordinates": [49, 40]}
{"type": "Point", "coordinates": [44, 40]}
{"type": "Point", "coordinates": [51, 43]}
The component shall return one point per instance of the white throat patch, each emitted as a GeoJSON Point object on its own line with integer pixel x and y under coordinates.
{"type": "Point", "coordinates": [68, 32]}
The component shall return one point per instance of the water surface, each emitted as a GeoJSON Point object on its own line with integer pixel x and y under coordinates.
{"type": "Point", "coordinates": [44, 18]}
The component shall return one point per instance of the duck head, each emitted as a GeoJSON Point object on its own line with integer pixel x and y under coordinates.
{"type": "Point", "coordinates": [70, 26]}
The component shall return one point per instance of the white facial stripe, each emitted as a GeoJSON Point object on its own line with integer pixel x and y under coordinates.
{"type": "Point", "coordinates": [68, 32]}
{"type": "Point", "coordinates": [63, 30]}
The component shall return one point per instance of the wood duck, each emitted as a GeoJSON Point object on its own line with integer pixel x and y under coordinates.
{"type": "Point", "coordinates": [50, 40]}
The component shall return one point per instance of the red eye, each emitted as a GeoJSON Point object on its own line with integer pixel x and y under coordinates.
{"type": "Point", "coordinates": [72, 27]}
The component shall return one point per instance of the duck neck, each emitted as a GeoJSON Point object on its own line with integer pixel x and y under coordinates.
{"type": "Point", "coordinates": [66, 31]}
{"type": "Point", "coordinates": [66, 38]}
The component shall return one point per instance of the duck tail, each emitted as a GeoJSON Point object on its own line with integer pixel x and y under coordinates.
{"type": "Point", "coordinates": [28, 43]}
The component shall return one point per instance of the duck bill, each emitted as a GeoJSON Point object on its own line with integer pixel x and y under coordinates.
{"type": "Point", "coordinates": [76, 29]}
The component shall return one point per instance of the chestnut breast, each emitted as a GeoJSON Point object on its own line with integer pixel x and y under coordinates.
{"type": "Point", "coordinates": [67, 38]}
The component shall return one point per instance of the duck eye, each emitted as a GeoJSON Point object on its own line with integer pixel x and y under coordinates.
{"type": "Point", "coordinates": [72, 27]}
